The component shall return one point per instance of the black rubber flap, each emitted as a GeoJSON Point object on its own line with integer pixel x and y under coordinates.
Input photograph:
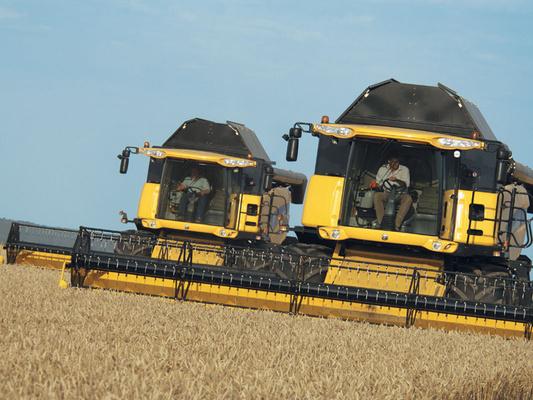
{"type": "Point", "coordinates": [229, 139]}
{"type": "Point", "coordinates": [429, 108]}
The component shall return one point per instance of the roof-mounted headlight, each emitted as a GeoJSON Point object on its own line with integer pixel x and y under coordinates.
{"type": "Point", "coordinates": [341, 132]}
{"type": "Point", "coordinates": [237, 162]}
{"type": "Point", "coordinates": [459, 143]}
{"type": "Point", "coordinates": [155, 153]}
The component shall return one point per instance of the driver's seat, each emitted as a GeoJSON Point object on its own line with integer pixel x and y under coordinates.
{"type": "Point", "coordinates": [366, 214]}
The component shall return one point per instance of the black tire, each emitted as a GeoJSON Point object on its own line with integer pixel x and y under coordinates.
{"type": "Point", "coordinates": [488, 283]}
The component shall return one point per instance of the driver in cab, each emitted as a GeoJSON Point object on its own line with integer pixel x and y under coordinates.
{"type": "Point", "coordinates": [195, 188]}
{"type": "Point", "coordinates": [391, 176]}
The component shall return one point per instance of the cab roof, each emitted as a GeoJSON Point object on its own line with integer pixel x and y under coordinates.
{"type": "Point", "coordinates": [231, 138]}
{"type": "Point", "coordinates": [429, 108]}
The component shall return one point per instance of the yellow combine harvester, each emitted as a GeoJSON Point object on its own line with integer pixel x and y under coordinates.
{"type": "Point", "coordinates": [415, 216]}
{"type": "Point", "coordinates": [419, 197]}
{"type": "Point", "coordinates": [209, 184]}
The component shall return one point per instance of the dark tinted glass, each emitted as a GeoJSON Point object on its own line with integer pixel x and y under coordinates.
{"type": "Point", "coordinates": [155, 170]}
{"type": "Point", "coordinates": [477, 170]}
{"type": "Point", "coordinates": [332, 156]}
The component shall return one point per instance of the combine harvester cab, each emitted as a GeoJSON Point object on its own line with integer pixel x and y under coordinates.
{"type": "Point", "coordinates": [421, 199]}
{"type": "Point", "coordinates": [211, 180]}
{"type": "Point", "coordinates": [209, 187]}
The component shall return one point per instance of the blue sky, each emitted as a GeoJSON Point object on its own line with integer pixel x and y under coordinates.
{"type": "Point", "coordinates": [79, 80]}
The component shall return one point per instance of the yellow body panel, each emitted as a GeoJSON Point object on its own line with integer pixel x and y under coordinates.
{"type": "Point", "coordinates": [464, 199]}
{"type": "Point", "coordinates": [384, 272]}
{"type": "Point", "coordinates": [377, 235]}
{"type": "Point", "coordinates": [42, 259]}
{"type": "Point", "coordinates": [323, 201]}
{"type": "Point", "coordinates": [249, 223]}
{"type": "Point", "coordinates": [148, 201]}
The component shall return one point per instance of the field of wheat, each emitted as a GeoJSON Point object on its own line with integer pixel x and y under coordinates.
{"type": "Point", "coordinates": [81, 343]}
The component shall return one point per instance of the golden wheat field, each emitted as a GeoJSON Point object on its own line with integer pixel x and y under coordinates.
{"type": "Point", "coordinates": [81, 343]}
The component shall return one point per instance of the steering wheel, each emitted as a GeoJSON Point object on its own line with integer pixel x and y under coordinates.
{"type": "Point", "coordinates": [389, 186]}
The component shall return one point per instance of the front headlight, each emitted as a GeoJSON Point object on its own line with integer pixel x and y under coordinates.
{"type": "Point", "coordinates": [155, 153]}
{"type": "Point", "coordinates": [459, 143]}
{"type": "Point", "coordinates": [437, 246]}
{"type": "Point", "coordinates": [335, 234]}
{"type": "Point", "coordinates": [235, 162]}
{"type": "Point", "coordinates": [332, 130]}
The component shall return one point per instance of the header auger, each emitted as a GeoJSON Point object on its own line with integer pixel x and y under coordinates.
{"type": "Point", "coordinates": [415, 216]}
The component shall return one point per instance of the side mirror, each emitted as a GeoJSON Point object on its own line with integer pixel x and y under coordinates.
{"type": "Point", "coordinates": [292, 149]}
{"type": "Point", "coordinates": [292, 143]}
{"type": "Point", "coordinates": [269, 177]}
{"type": "Point", "coordinates": [295, 133]}
{"type": "Point", "coordinates": [124, 161]}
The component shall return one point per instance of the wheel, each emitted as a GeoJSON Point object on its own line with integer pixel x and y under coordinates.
{"type": "Point", "coordinates": [488, 283]}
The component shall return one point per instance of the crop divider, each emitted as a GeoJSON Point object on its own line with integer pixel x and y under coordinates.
{"type": "Point", "coordinates": [182, 285]}
{"type": "Point", "coordinates": [414, 288]}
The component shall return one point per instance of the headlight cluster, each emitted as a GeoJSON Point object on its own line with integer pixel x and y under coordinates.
{"type": "Point", "coordinates": [459, 143]}
{"type": "Point", "coordinates": [233, 162]}
{"type": "Point", "coordinates": [339, 131]}
{"type": "Point", "coordinates": [155, 153]}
